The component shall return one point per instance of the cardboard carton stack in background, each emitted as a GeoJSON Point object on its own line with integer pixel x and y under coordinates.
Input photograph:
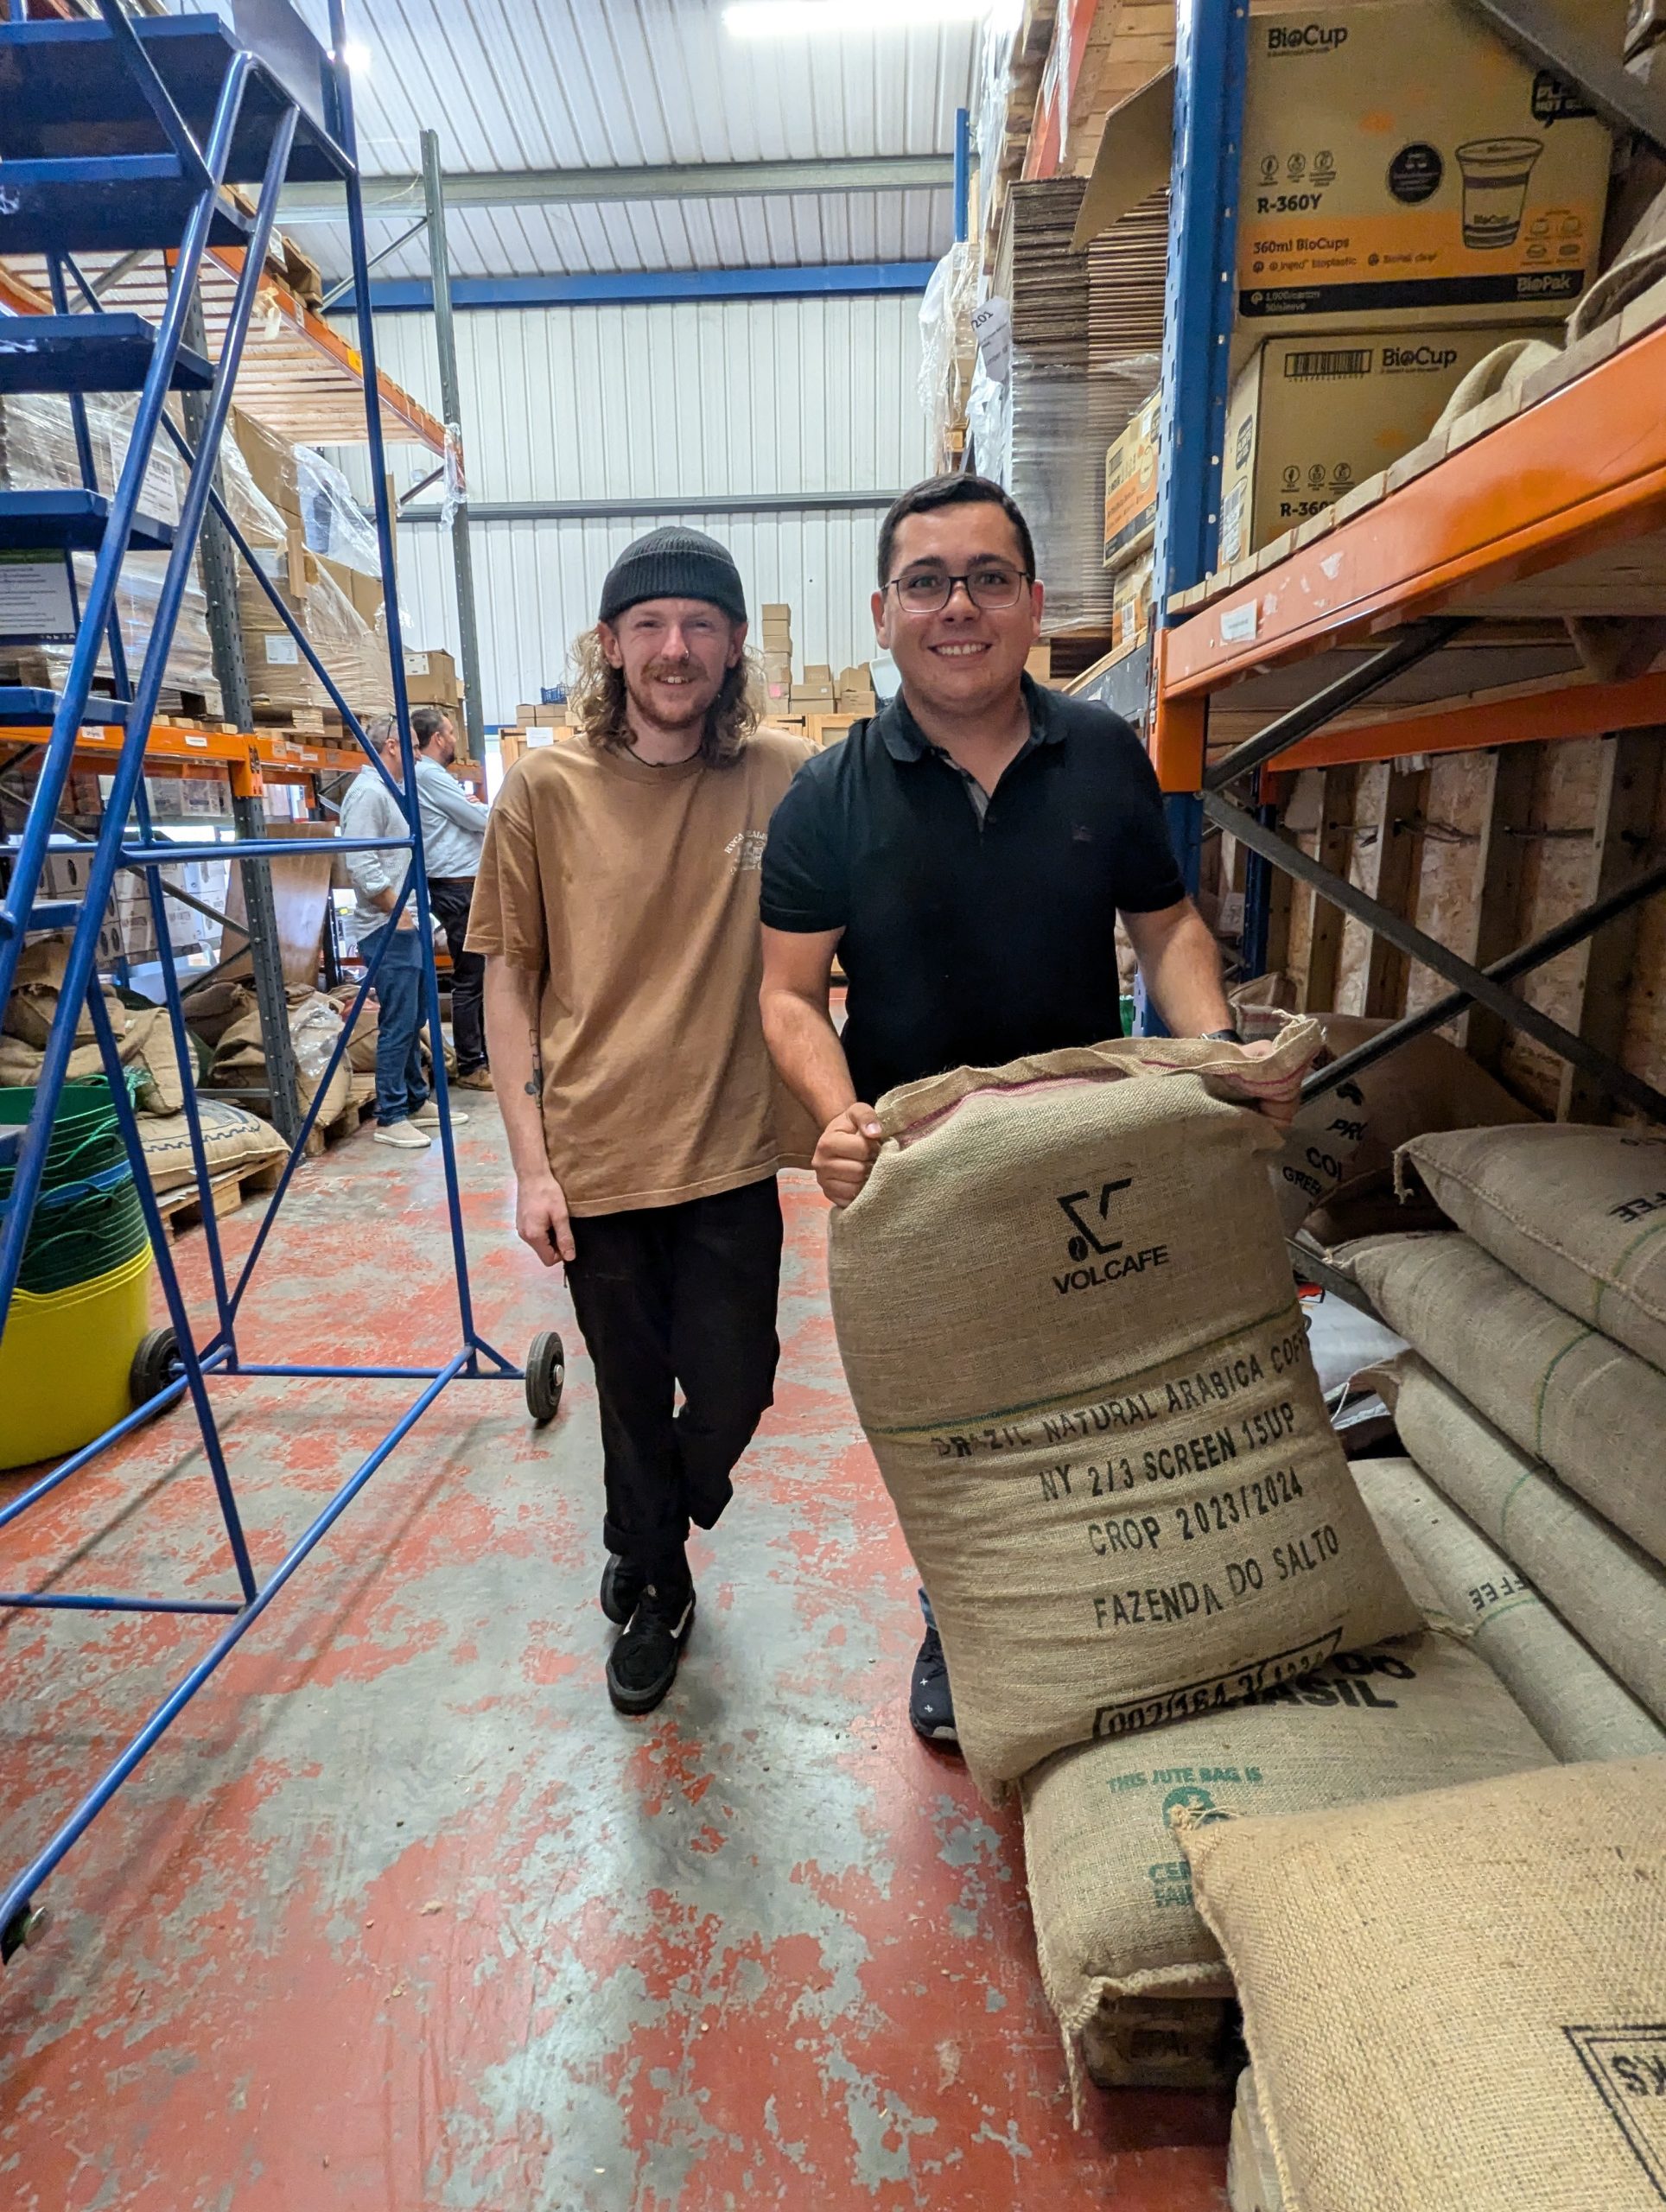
{"type": "Point", "coordinates": [816, 693]}
{"type": "Point", "coordinates": [854, 690]}
{"type": "Point", "coordinates": [777, 620]}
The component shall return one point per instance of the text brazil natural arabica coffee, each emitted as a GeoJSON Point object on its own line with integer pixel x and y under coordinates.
{"type": "Point", "coordinates": [1069, 1324]}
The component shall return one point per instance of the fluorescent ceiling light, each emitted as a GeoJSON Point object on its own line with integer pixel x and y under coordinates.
{"type": "Point", "coordinates": [356, 55]}
{"type": "Point", "coordinates": [795, 18]}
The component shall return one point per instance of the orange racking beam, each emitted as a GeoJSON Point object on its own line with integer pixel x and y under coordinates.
{"type": "Point", "coordinates": [1479, 725]}
{"type": "Point", "coordinates": [1583, 469]}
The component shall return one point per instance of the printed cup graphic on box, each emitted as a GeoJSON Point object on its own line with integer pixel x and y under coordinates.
{"type": "Point", "coordinates": [1495, 172]}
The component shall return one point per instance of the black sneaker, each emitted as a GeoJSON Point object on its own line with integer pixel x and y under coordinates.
{"type": "Point", "coordinates": [642, 1665]}
{"type": "Point", "coordinates": [930, 1705]}
{"type": "Point", "coordinates": [621, 1587]}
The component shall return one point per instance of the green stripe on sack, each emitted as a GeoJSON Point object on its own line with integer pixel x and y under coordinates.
{"type": "Point", "coordinates": [1544, 1385]}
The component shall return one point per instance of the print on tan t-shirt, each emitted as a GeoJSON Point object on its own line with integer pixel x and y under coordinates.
{"type": "Point", "coordinates": [632, 891]}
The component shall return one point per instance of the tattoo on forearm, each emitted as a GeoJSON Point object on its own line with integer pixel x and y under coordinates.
{"type": "Point", "coordinates": [535, 1086]}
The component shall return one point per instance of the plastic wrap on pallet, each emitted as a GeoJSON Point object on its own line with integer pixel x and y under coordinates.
{"type": "Point", "coordinates": [164, 475]}
{"type": "Point", "coordinates": [247, 505]}
{"type": "Point", "coordinates": [37, 441]}
{"type": "Point", "coordinates": [992, 85]}
{"type": "Point", "coordinates": [989, 426]}
{"type": "Point", "coordinates": [948, 349]}
{"type": "Point", "coordinates": [190, 656]}
{"type": "Point", "coordinates": [336, 525]}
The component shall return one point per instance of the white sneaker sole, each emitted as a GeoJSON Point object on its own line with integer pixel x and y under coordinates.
{"type": "Point", "coordinates": [416, 1141]}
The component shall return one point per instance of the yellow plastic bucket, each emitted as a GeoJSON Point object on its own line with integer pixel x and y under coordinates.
{"type": "Point", "coordinates": [64, 1362]}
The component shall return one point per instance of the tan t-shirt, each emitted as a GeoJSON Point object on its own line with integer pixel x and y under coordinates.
{"type": "Point", "coordinates": [632, 891]}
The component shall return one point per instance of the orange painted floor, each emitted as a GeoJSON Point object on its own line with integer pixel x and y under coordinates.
{"type": "Point", "coordinates": [402, 1915]}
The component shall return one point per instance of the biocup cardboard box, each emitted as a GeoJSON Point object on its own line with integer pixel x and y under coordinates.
{"type": "Point", "coordinates": [1399, 158]}
{"type": "Point", "coordinates": [1315, 414]}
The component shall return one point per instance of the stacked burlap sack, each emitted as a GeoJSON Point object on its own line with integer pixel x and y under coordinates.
{"type": "Point", "coordinates": [1068, 1319]}
{"type": "Point", "coordinates": [1452, 2000]}
{"type": "Point", "coordinates": [1533, 1403]}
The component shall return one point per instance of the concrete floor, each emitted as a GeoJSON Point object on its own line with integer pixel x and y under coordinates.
{"type": "Point", "coordinates": [401, 1914]}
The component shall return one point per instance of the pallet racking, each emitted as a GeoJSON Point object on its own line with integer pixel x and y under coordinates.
{"type": "Point", "coordinates": [1434, 592]}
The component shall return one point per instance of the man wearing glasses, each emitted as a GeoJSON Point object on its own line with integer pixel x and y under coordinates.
{"type": "Point", "coordinates": [966, 853]}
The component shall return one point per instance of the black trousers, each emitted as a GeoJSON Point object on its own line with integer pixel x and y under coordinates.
{"type": "Point", "coordinates": [449, 897]}
{"type": "Point", "coordinates": [668, 1295]}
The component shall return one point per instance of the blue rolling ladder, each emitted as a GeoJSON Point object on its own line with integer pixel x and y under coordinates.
{"type": "Point", "coordinates": [178, 108]}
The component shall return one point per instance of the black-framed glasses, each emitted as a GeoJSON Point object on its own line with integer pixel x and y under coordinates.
{"type": "Point", "coordinates": [991, 584]}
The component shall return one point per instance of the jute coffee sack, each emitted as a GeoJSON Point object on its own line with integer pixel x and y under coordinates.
{"type": "Point", "coordinates": [1581, 1709]}
{"type": "Point", "coordinates": [1110, 1888]}
{"type": "Point", "coordinates": [1604, 1586]}
{"type": "Point", "coordinates": [1578, 1213]}
{"type": "Point", "coordinates": [1453, 2001]}
{"type": "Point", "coordinates": [1252, 2183]}
{"type": "Point", "coordinates": [1070, 1328]}
{"type": "Point", "coordinates": [1593, 1412]}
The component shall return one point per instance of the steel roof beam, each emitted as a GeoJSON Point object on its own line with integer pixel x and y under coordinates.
{"type": "Point", "coordinates": [393, 196]}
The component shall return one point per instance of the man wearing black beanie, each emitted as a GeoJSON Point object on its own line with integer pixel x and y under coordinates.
{"type": "Point", "coordinates": [617, 905]}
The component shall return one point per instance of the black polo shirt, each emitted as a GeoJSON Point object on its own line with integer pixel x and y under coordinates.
{"type": "Point", "coordinates": [970, 941]}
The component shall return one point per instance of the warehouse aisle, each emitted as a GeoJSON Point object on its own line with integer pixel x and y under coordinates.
{"type": "Point", "coordinates": [402, 1916]}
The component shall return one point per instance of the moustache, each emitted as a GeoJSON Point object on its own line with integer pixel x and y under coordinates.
{"type": "Point", "coordinates": [672, 668]}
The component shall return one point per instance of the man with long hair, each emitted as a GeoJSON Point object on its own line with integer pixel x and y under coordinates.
{"type": "Point", "coordinates": [617, 907]}
{"type": "Point", "coordinates": [966, 853]}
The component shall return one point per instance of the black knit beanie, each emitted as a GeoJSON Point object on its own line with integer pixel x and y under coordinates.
{"type": "Point", "coordinates": [673, 563]}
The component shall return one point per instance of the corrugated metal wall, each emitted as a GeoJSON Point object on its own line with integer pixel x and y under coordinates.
{"type": "Point", "coordinates": [700, 401]}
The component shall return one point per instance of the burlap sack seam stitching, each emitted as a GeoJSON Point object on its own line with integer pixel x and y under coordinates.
{"type": "Point", "coordinates": [1124, 1384]}
{"type": "Point", "coordinates": [1603, 1280]}
{"type": "Point", "coordinates": [1573, 1344]}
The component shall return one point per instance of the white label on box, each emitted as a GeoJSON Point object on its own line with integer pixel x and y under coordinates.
{"type": "Point", "coordinates": [284, 650]}
{"type": "Point", "coordinates": [417, 664]}
{"type": "Point", "coordinates": [1238, 624]}
{"type": "Point", "coordinates": [991, 327]}
{"type": "Point", "coordinates": [35, 602]}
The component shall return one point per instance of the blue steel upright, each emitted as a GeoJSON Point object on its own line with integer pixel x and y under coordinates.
{"type": "Point", "coordinates": [266, 106]}
{"type": "Point", "coordinates": [1211, 57]}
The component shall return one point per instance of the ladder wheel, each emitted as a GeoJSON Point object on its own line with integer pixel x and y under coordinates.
{"type": "Point", "coordinates": [155, 1364]}
{"type": "Point", "coordinates": [24, 1929]}
{"type": "Point", "coordinates": [546, 1376]}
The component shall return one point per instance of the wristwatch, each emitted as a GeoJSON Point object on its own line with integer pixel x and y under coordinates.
{"type": "Point", "coordinates": [1221, 1037]}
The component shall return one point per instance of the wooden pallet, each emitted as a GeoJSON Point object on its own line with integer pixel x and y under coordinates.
{"type": "Point", "coordinates": [183, 1209]}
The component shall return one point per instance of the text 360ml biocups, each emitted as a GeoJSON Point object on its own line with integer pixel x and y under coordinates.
{"type": "Point", "coordinates": [1068, 1320]}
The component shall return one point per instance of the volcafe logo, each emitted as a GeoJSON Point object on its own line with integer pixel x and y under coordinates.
{"type": "Point", "coordinates": [1099, 1257]}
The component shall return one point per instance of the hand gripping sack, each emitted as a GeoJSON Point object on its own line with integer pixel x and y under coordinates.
{"type": "Point", "coordinates": [1069, 1325]}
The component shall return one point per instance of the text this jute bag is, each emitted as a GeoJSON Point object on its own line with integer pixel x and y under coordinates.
{"type": "Point", "coordinates": [1110, 1889]}
{"type": "Point", "coordinates": [1069, 1325]}
{"type": "Point", "coordinates": [1581, 1709]}
{"type": "Point", "coordinates": [1580, 1213]}
{"type": "Point", "coordinates": [1606, 1588]}
{"type": "Point", "coordinates": [1592, 1411]}
{"type": "Point", "coordinates": [1453, 2001]}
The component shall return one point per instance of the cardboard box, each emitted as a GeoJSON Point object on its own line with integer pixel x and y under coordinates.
{"type": "Point", "coordinates": [1131, 484]}
{"type": "Point", "coordinates": [813, 702]}
{"type": "Point", "coordinates": [817, 676]}
{"type": "Point", "coordinates": [775, 611]}
{"type": "Point", "coordinates": [1316, 414]}
{"type": "Point", "coordinates": [431, 679]}
{"type": "Point", "coordinates": [270, 461]}
{"type": "Point", "coordinates": [1399, 158]}
{"type": "Point", "coordinates": [1130, 605]}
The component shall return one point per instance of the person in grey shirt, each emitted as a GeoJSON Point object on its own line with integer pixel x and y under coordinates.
{"type": "Point", "coordinates": [454, 829]}
{"type": "Point", "coordinates": [404, 1112]}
